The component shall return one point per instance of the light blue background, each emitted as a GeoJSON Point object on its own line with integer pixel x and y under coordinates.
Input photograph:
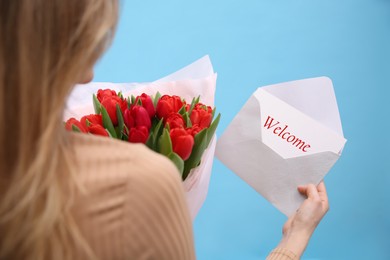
{"type": "Point", "coordinates": [260, 42]}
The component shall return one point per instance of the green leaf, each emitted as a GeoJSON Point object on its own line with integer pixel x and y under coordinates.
{"type": "Point", "coordinates": [149, 143]}
{"type": "Point", "coordinates": [118, 134]}
{"type": "Point", "coordinates": [121, 122]}
{"type": "Point", "coordinates": [211, 130]}
{"type": "Point", "coordinates": [213, 113]}
{"type": "Point", "coordinates": [157, 128]}
{"type": "Point", "coordinates": [187, 120]}
{"type": "Point", "coordinates": [128, 102]}
{"type": "Point", "coordinates": [139, 102]}
{"type": "Point", "coordinates": [96, 105]}
{"type": "Point", "coordinates": [156, 98]}
{"type": "Point", "coordinates": [178, 161]}
{"type": "Point", "coordinates": [76, 129]}
{"type": "Point", "coordinates": [193, 103]}
{"type": "Point", "coordinates": [125, 136]}
{"type": "Point", "coordinates": [107, 123]}
{"type": "Point", "coordinates": [165, 143]}
{"type": "Point", "coordinates": [182, 110]}
{"type": "Point", "coordinates": [88, 123]}
{"type": "Point", "coordinates": [155, 134]}
{"type": "Point", "coordinates": [109, 134]}
{"type": "Point", "coordinates": [197, 152]}
{"type": "Point", "coordinates": [132, 99]}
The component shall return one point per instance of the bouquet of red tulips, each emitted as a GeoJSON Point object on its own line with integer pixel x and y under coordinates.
{"type": "Point", "coordinates": [177, 125]}
{"type": "Point", "coordinates": [166, 124]}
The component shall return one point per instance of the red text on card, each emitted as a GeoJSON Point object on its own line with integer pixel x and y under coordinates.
{"type": "Point", "coordinates": [273, 125]}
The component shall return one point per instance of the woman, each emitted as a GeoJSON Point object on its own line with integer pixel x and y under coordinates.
{"type": "Point", "coordinates": [70, 196]}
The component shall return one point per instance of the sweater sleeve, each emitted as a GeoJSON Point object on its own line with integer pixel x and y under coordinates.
{"type": "Point", "coordinates": [282, 254]}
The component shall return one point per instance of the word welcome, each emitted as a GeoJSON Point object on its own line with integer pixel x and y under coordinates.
{"type": "Point", "coordinates": [282, 133]}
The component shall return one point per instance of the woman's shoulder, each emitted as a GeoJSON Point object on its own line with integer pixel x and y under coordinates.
{"type": "Point", "coordinates": [105, 166]}
{"type": "Point", "coordinates": [131, 192]}
{"type": "Point", "coordinates": [113, 157]}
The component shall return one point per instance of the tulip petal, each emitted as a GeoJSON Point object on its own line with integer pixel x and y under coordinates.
{"type": "Point", "coordinates": [139, 134]}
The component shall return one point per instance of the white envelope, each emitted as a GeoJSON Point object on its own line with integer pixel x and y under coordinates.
{"type": "Point", "coordinates": [196, 79]}
{"type": "Point", "coordinates": [286, 135]}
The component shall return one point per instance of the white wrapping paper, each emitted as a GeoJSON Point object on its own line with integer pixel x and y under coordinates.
{"type": "Point", "coordinates": [197, 79]}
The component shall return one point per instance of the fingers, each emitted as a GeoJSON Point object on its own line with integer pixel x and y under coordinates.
{"type": "Point", "coordinates": [322, 189]}
{"type": "Point", "coordinates": [310, 191]}
{"type": "Point", "coordinates": [316, 193]}
{"type": "Point", "coordinates": [302, 189]}
{"type": "Point", "coordinates": [323, 194]}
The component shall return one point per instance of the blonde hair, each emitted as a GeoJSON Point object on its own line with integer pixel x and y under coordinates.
{"type": "Point", "coordinates": [45, 47]}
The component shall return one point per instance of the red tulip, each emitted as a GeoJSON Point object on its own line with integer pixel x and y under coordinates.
{"type": "Point", "coordinates": [93, 119]}
{"type": "Point", "coordinates": [194, 130]}
{"type": "Point", "coordinates": [97, 130]}
{"type": "Point", "coordinates": [147, 103]}
{"type": "Point", "coordinates": [201, 115]}
{"type": "Point", "coordinates": [138, 134]}
{"type": "Point", "coordinates": [103, 93]}
{"type": "Point", "coordinates": [167, 105]}
{"type": "Point", "coordinates": [175, 121]}
{"type": "Point", "coordinates": [77, 123]}
{"type": "Point", "coordinates": [137, 116]}
{"type": "Point", "coordinates": [109, 103]}
{"type": "Point", "coordinates": [182, 142]}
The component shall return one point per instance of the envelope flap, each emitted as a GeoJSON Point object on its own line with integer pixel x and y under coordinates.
{"type": "Point", "coordinates": [314, 97]}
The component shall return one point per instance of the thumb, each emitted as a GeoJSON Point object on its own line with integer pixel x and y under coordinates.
{"type": "Point", "coordinates": [310, 191]}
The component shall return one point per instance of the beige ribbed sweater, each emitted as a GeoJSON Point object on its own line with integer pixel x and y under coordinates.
{"type": "Point", "coordinates": [134, 205]}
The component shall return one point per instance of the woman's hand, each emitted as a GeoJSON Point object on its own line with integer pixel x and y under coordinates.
{"type": "Point", "coordinates": [299, 227]}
